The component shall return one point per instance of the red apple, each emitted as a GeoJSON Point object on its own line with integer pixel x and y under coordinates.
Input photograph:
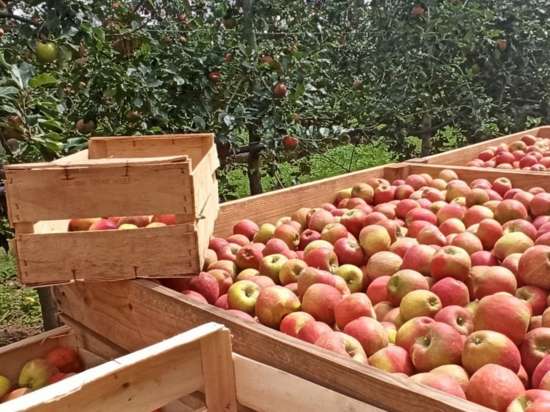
{"type": "Point", "coordinates": [460, 318]}
{"type": "Point", "coordinates": [293, 323]}
{"type": "Point", "coordinates": [534, 348]}
{"type": "Point", "coordinates": [342, 344]}
{"type": "Point", "coordinates": [274, 303]}
{"type": "Point", "coordinates": [352, 307]}
{"type": "Point", "coordinates": [320, 301]}
{"type": "Point", "coordinates": [313, 330]}
{"type": "Point", "coordinates": [440, 345]}
{"type": "Point", "coordinates": [393, 359]}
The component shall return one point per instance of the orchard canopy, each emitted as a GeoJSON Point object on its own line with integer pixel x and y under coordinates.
{"type": "Point", "coordinates": [292, 89]}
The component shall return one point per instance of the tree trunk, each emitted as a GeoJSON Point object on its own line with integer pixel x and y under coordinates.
{"type": "Point", "coordinates": [426, 135]}
{"type": "Point", "coordinates": [49, 308]}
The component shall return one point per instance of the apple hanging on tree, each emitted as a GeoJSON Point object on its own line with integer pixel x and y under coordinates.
{"type": "Point", "coordinates": [280, 90]}
{"type": "Point", "coordinates": [290, 142]}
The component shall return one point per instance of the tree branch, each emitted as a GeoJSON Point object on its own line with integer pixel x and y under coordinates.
{"type": "Point", "coordinates": [10, 15]}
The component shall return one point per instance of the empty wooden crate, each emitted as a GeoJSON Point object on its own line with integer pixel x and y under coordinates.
{"type": "Point", "coordinates": [116, 176]}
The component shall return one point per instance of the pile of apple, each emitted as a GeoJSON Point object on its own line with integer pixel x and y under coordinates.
{"type": "Point", "coordinates": [121, 222]}
{"type": "Point", "coordinates": [528, 153]}
{"type": "Point", "coordinates": [434, 278]}
{"type": "Point", "coordinates": [58, 364]}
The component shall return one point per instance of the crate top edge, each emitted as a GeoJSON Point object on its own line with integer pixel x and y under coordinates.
{"type": "Point", "coordinates": [154, 136]}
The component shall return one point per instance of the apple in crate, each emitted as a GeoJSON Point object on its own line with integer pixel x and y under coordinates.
{"type": "Point", "coordinates": [5, 386]}
{"type": "Point", "coordinates": [166, 219]}
{"type": "Point", "coordinates": [242, 295]}
{"type": "Point", "coordinates": [65, 359]}
{"type": "Point", "coordinates": [76, 225]}
{"type": "Point", "coordinates": [35, 374]}
{"type": "Point", "coordinates": [16, 393]}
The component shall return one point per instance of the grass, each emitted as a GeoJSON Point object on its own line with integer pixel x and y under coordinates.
{"type": "Point", "coordinates": [20, 314]}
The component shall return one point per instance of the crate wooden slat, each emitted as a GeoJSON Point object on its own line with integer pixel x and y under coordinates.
{"type": "Point", "coordinates": [462, 155]}
{"type": "Point", "coordinates": [143, 311]}
{"type": "Point", "coordinates": [116, 176]}
{"type": "Point", "coordinates": [145, 380]}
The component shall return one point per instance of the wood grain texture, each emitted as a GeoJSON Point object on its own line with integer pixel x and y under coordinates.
{"type": "Point", "coordinates": [143, 312]}
{"type": "Point", "coordinates": [58, 192]}
{"type": "Point", "coordinates": [462, 155]}
{"type": "Point", "coordinates": [107, 255]}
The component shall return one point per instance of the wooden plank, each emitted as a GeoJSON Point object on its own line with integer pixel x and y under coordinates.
{"type": "Point", "coordinates": [107, 255]}
{"type": "Point", "coordinates": [218, 372]}
{"type": "Point", "coordinates": [83, 154]}
{"type": "Point", "coordinates": [143, 312]}
{"type": "Point", "coordinates": [79, 162]}
{"type": "Point", "coordinates": [463, 155]}
{"type": "Point", "coordinates": [141, 381]}
{"type": "Point", "coordinates": [80, 192]}
{"type": "Point", "coordinates": [267, 389]}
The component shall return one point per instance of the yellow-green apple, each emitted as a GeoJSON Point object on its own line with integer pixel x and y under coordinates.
{"type": "Point", "coordinates": [242, 295]}
{"type": "Point", "coordinates": [512, 242]}
{"type": "Point", "coordinates": [271, 266]}
{"type": "Point", "coordinates": [376, 181]}
{"type": "Point", "coordinates": [477, 197]}
{"type": "Point", "coordinates": [391, 331]}
{"type": "Point", "coordinates": [494, 386]}
{"type": "Point", "coordinates": [476, 214]}
{"type": "Point", "coordinates": [139, 221]}
{"type": "Point", "coordinates": [503, 313]}
{"type": "Point", "coordinates": [334, 231]}
{"type": "Point", "coordinates": [349, 251]}
{"type": "Point", "coordinates": [450, 261]}
{"type": "Point", "coordinates": [353, 277]}
{"type": "Point", "coordinates": [369, 332]}
{"type": "Point", "coordinates": [127, 226]}
{"type": "Point", "coordinates": [416, 214]}
{"type": "Point", "coordinates": [318, 244]}
{"type": "Point", "coordinates": [221, 302]}
{"type": "Point", "coordinates": [451, 292]}
{"type": "Point", "coordinates": [207, 285]}
{"type": "Point", "coordinates": [374, 238]}
{"type": "Point", "coordinates": [382, 308]}
{"type": "Point", "coordinates": [319, 219]}
{"type": "Point", "coordinates": [458, 317]}
{"type": "Point", "coordinates": [294, 322]}
{"type": "Point", "coordinates": [510, 209]}
{"type": "Point", "coordinates": [209, 257]}
{"type": "Point", "coordinates": [540, 371]}
{"type": "Point", "coordinates": [402, 245]}
{"type": "Point", "coordinates": [440, 345]}
{"type": "Point", "coordinates": [227, 265]}
{"type": "Point", "coordinates": [521, 225]}
{"type": "Point", "coordinates": [448, 175]}
{"type": "Point", "coordinates": [320, 301]}
{"type": "Point", "coordinates": [302, 215]}
{"type": "Point", "coordinates": [403, 282]}
{"type": "Point", "coordinates": [354, 220]}
{"type": "Point", "coordinates": [342, 344]}
{"type": "Point", "coordinates": [239, 239]}
{"type": "Point", "coordinates": [488, 280]}
{"type": "Point", "coordinates": [246, 227]}
{"type": "Point", "coordinates": [455, 189]}
{"type": "Point", "coordinates": [196, 296]}
{"type": "Point", "coordinates": [467, 241]}
{"type": "Point", "coordinates": [168, 219]}
{"type": "Point", "coordinates": [313, 330]}
{"type": "Point", "coordinates": [224, 279]}
{"type": "Point", "coordinates": [343, 194]}
{"type": "Point", "coordinates": [76, 225]}
{"type": "Point", "coordinates": [274, 303]}
{"type": "Point", "coordinates": [352, 307]}
{"type": "Point", "coordinates": [321, 258]}
{"type": "Point", "coordinates": [35, 373]}
{"type": "Point", "coordinates": [540, 205]}
{"type": "Point", "coordinates": [377, 291]}
{"type": "Point", "coordinates": [274, 246]}
{"type": "Point", "coordinates": [419, 303]}
{"type": "Point", "coordinates": [16, 393]}
{"type": "Point", "coordinates": [534, 267]}
{"type": "Point", "coordinates": [419, 258]}
{"type": "Point", "coordinates": [534, 348]}
{"type": "Point", "coordinates": [483, 258]}
{"type": "Point", "coordinates": [440, 382]}
{"type": "Point", "coordinates": [536, 297]}
{"type": "Point", "coordinates": [248, 257]}
{"type": "Point", "coordinates": [453, 371]}
{"type": "Point", "coordinates": [310, 276]}
{"type": "Point", "coordinates": [102, 224]}
{"type": "Point", "coordinates": [403, 191]}
{"type": "Point", "coordinates": [393, 359]}
{"type": "Point", "coordinates": [65, 359]}
{"type": "Point", "coordinates": [5, 386]}
{"type": "Point", "coordinates": [363, 191]}
{"type": "Point", "coordinates": [533, 400]}
{"type": "Point", "coordinates": [488, 232]}
{"type": "Point", "coordinates": [289, 234]}
{"type": "Point", "coordinates": [393, 316]}
{"type": "Point", "coordinates": [486, 346]}
{"type": "Point", "coordinates": [265, 232]}
{"type": "Point", "coordinates": [411, 330]}
{"type": "Point", "coordinates": [290, 271]}
{"type": "Point", "coordinates": [384, 263]}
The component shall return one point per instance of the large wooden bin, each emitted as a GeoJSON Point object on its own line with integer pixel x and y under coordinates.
{"type": "Point", "coordinates": [463, 155]}
{"type": "Point", "coordinates": [116, 176]}
{"type": "Point", "coordinates": [143, 311]}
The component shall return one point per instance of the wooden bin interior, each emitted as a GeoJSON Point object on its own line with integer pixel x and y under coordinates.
{"type": "Point", "coordinates": [143, 311]}
{"type": "Point", "coordinates": [462, 155]}
{"type": "Point", "coordinates": [119, 176]}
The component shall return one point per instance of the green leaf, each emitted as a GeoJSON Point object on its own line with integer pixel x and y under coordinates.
{"type": "Point", "coordinates": [8, 91]}
{"type": "Point", "coordinates": [44, 79]}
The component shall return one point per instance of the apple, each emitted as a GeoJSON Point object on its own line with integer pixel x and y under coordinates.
{"type": "Point", "coordinates": [102, 224]}
{"type": "Point", "coordinates": [369, 332]}
{"type": "Point", "coordinates": [373, 239]}
{"type": "Point", "coordinates": [247, 228]}
{"type": "Point", "coordinates": [207, 285]}
{"type": "Point", "coordinates": [353, 277]}
{"type": "Point", "coordinates": [265, 232]}
{"type": "Point", "coordinates": [412, 330]}
{"type": "Point", "coordinates": [168, 219]}
{"type": "Point", "coordinates": [440, 345]}
{"type": "Point", "coordinates": [76, 225]}
{"type": "Point", "coordinates": [227, 265]}
{"type": "Point", "coordinates": [453, 371]}
{"type": "Point", "coordinates": [534, 348]}
{"type": "Point", "coordinates": [513, 242]}
{"type": "Point", "coordinates": [35, 373]}
{"type": "Point", "coordinates": [127, 226]}
{"type": "Point", "coordinates": [382, 309]}
{"type": "Point", "coordinates": [289, 234]}
{"type": "Point", "coordinates": [419, 303]}
{"type": "Point", "coordinates": [318, 244]}
{"type": "Point", "coordinates": [138, 221]}
{"type": "Point", "coordinates": [486, 346]}
{"type": "Point", "coordinates": [271, 266]}
{"type": "Point", "coordinates": [351, 307]}
{"type": "Point", "coordinates": [403, 282]}
{"type": "Point", "coordinates": [404, 206]}
{"type": "Point", "coordinates": [293, 323]}
{"type": "Point", "coordinates": [240, 240]}
{"type": "Point", "coordinates": [248, 257]}
{"type": "Point", "coordinates": [334, 231]}
{"type": "Point", "coordinates": [460, 318]}
{"type": "Point", "coordinates": [540, 371]}
{"type": "Point", "coordinates": [319, 219]}
{"type": "Point", "coordinates": [196, 296]}
{"type": "Point", "coordinates": [313, 330]}
{"type": "Point", "coordinates": [419, 258]}
{"type": "Point", "coordinates": [467, 241]}
{"type": "Point", "coordinates": [476, 214]}
{"type": "Point", "coordinates": [290, 271]}
{"type": "Point", "coordinates": [501, 185]}
{"type": "Point", "coordinates": [510, 209]}
{"type": "Point", "coordinates": [59, 376]}
{"type": "Point", "coordinates": [65, 359]}
{"type": "Point", "coordinates": [535, 322]}
{"type": "Point", "coordinates": [363, 191]}
{"type": "Point", "coordinates": [274, 303]}
{"type": "Point", "coordinates": [274, 246]}
{"type": "Point", "coordinates": [440, 382]}
{"type": "Point", "coordinates": [16, 393]}
{"type": "Point", "coordinates": [228, 252]}
{"type": "Point", "coordinates": [240, 314]}
{"type": "Point", "coordinates": [450, 261]}
{"type": "Point", "coordinates": [354, 220]}
{"type": "Point", "coordinates": [488, 280]}
{"type": "Point", "coordinates": [488, 232]}
{"type": "Point", "coordinates": [535, 296]}
{"type": "Point", "coordinates": [452, 225]}
{"type": "Point", "coordinates": [393, 359]}
{"type": "Point", "coordinates": [242, 295]}
{"type": "Point", "coordinates": [342, 344]}
{"type": "Point", "coordinates": [483, 258]}
{"type": "Point", "coordinates": [377, 291]}
{"type": "Point", "coordinates": [533, 400]}
{"type": "Point", "coordinates": [420, 214]}
{"type": "Point", "coordinates": [310, 276]}
{"type": "Point", "coordinates": [402, 245]}
{"type": "Point", "coordinates": [320, 301]}
{"type": "Point", "coordinates": [450, 211]}
{"type": "Point", "coordinates": [431, 235]}
{"type": "Point", "coordinates": [393, 316]}
{"type": "Point", "coordinates": [414, 228]}
{"type": "Point", "coordinates": [451, 292]}
{"type": "Point", "coordinates": [5, 386]}
{"type": "Point", "coordinates": [221, 302]}
{"type": "Point", "coordinates": [503, 313]}
{"type": "Point", "coordinates": [540, 204]}
{"type": "Point", "coordinates": [494, 386]}
{"type": "Point", "coordinates": [349, 251]}
{"type": "Point", "coordinates": [534, 267]}
{"type": "Point", "coordinates": [456, 189]}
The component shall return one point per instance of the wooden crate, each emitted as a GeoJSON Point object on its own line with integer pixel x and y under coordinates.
{"type": "Point", "coordinates": [159, 375]}
{"type": "Point", "coordinates": [116, 176]}
{"type": "Point", "coordinates": [461, 156]}
{"type": "Point", "coordinates": [143, 311]}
